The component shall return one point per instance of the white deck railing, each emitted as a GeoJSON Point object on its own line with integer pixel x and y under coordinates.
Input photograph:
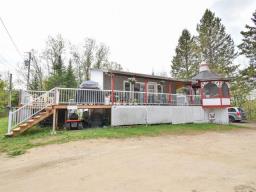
{"type": "Point", "coordinates": [26, 96]}
{"type": "Point", "coordinates": [39, 100]}
{"type": "Point", "coordinates": [116, 97]}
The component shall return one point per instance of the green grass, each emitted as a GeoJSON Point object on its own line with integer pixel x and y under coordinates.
{"type": "Point", "coordinates": [41, 136]}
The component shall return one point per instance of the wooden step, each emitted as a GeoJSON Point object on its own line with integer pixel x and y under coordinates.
{"type": "Point", "coordinates": [23, 125]}
{"type": "Point", "coordinates": [43, 113]}
{"type": "Point", "coordinates": [31, 121]}
{"type": "Point", "coordinates": [36, 117]}
{"type": "Point", "coordinates": [18, 129]}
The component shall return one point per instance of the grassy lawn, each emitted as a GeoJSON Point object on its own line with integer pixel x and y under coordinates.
{"type": "Point", "coordinates": [41, 136]}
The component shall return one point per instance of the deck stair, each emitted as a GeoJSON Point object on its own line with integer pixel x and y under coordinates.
{"type": "Point", "coordinates": [31, 122]}
{"type": "Point", "coordinates": [31, 114]}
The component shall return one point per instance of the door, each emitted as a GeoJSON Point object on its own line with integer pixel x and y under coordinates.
{"type": "Point", "coordinates": [152, 87]}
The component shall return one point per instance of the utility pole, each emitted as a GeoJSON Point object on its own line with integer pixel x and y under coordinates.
{"type": "Point", "coordinates": [10, 92]}
{"type": "Point", "coordinates": [27, 64]}
{"type": "Point", "coordinates": [10, 104]}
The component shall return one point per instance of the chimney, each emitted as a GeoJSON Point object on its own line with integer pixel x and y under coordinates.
{"type": "Point", "coordinates": [203, 67]}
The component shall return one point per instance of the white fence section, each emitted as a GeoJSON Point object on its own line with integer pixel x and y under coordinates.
{"type": "Point", "coordinates": [133, 115]}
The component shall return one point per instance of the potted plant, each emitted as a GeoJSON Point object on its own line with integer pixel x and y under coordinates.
{"type": "Point", "coordinates": [132, 80]}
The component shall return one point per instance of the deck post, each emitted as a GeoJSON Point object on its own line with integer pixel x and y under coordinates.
{"type": "Point", "coordinates": [54, 122]}
{"type": "Point", "coordinates": [57, 95]}
{"type": "Point", "coordinates": [112, 88]}
{"type": "Point", "coordinates": [9, 122]}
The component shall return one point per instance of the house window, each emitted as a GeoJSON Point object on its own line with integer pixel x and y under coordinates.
{"type": "Point", "coordinates": [139, 87]}
{"type": "Point", "coordinates": [160, 88]}
{"type": "Point", "coordinates": [151, 88]}
{"type": "Point", "coordinates": [127, 86]}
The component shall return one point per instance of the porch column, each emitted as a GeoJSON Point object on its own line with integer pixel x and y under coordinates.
{"type": "Point", "coordinates": [170, 92]}
{"type": "Point", "coordinates": [112, 88]}
{"type": "Point", "coordinates": [191, 94]}
{"type": "Point", "coordinates": [54, 121]}
{"type": "Point", "coordinates": [146, 91]}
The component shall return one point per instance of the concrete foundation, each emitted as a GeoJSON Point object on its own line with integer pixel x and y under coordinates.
{"type": "Point", "coordinates": [132, 115]}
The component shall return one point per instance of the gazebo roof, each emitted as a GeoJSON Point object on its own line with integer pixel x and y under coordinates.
{"type": "Point", "coordinates": [206, 75]}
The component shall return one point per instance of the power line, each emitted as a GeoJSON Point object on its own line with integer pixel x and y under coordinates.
{"type": "Point", "coordinates": [5, 61]}
{"type": "Point", "coordinates": [14, 44]}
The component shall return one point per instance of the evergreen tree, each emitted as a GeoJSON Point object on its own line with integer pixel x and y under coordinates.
{"type": "Point", "coordinates": [70, 79]}
{"type": "Point", "coordinates": [248, 45]}
{"type": "Point", "coordinates": [34, 85]}
{"type": "Point", "coordinates": [184, 63]}
{"type": "Point", "coordinates": [216, 47]}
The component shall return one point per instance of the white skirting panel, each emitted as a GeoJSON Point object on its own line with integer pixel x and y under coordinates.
{"type": "Point", "coordinates": [211, 102]}
{"type": "Point", "coordinates": [225, 101]}
{"type": "Point", "coordinates": [132, 115]}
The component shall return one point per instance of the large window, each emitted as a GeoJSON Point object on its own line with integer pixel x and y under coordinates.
{"type": "Point", "coordinates": [127, 86]}
{"type": "Point", "coordinates": [140, 87]}
{"type": "Point", "coordinates": [160, 88]}
{"type": "Point", "coordinates": [211, 90]}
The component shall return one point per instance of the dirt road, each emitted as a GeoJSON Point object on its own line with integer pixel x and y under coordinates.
{"type": "Point", "coordinates": [224, 162]}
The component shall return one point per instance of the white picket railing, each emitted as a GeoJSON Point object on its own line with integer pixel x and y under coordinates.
{"type": "Point", "coordinates": [34, 106]}
{"type": "Point", "coordinates": [95, 96]}
{"type": "Point", "coordinates": [28, 95]}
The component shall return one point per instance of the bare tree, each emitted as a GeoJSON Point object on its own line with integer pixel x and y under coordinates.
{"type": "Point", "coordinates": [36, 72]}
{"type": "Point", "coordinates": [54, 53]}
{"type": "Point", "coordinates": [113, 66]}
{"type": "Point", "coordinates": [101, 56]}
{"type": "Point", "coordinates": [84, 57]}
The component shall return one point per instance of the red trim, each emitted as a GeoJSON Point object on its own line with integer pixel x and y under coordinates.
{"type": "Point", "coordinates": [170, 91]}
{"type": "Point", "coordinates": [112, 88]}
{"type": "Point", "coordinates": [146, 91]}
{"type": "Point", "coordinates": [191, 94]}
{"type": "Point", "coordinates": [215, 106]}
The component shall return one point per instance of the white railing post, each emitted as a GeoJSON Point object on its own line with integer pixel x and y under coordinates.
{"type": "Point", "coordinates": [57, 95]}
{"type": "Point", "coordinates": [10, 122]}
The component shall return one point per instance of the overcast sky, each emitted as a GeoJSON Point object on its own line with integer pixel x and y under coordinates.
{"type": "Point", "coordinates": [142, 34]}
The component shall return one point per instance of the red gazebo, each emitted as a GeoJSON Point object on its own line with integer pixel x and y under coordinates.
{"type": "Point", "coordinates": [213, 88]}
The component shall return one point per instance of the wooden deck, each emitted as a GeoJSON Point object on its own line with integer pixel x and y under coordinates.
{"type": "Point", "coordinates": [63, 106]}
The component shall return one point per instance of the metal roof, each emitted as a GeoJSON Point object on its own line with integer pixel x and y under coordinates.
{"type": "Point", "coordinates": [207, 76]}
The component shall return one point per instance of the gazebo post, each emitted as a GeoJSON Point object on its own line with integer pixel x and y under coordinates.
{"type": "Point", "coordinates": [220, 91]}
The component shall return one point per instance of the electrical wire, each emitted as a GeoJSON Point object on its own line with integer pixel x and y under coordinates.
{"type": "Point", "coordinates": [7, 64]}
{"type": "Point", "coordinates": [14, 44]}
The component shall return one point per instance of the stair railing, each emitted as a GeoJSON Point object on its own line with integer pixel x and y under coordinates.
{"type": "Point", "coordinates": [33, 107]}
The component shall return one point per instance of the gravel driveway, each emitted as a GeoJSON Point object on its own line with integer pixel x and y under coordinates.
{"type": "Point", "coordinates": [224, 162]}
